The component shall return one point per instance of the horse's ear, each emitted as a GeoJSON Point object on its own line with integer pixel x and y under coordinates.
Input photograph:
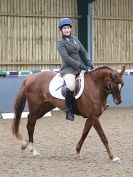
{"type": "Point", "coordinates": [122, 70]}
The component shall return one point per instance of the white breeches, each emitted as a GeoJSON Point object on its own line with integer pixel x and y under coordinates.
{"type": "Point", "coordinates": [70, 81]}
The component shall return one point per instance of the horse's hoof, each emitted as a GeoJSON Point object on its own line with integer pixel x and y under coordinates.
{"type": "Point", "coordinates": [24, 145]}
{"type": "Point", "coordinates": [116, 160]}
{"type": "Point", "coordinates": [78, 157]}
{"type": "Point", "coordinates": [78, 153]}
{"type": "Point", "coordinates": [36, 154]}
{"type": "Point", "coordinates": [23, 148]}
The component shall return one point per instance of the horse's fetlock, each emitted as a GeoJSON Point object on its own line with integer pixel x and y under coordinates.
{"type": "Point", "coordinates": [111, 157]}
{"type": "Point", "coordinates": [78, 149]}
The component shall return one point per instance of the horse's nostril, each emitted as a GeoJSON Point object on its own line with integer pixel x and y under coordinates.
{"type": "Point", "coordinates": [117, 101]}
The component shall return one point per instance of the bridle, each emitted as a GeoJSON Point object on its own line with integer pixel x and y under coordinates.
{"type": "Point", "coordinates": [109, 88]}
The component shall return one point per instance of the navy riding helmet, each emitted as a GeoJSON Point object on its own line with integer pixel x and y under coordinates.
{"type": "Point", "coordinates": [65, 21]}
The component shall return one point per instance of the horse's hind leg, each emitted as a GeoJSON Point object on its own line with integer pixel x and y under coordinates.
{"type": "Point", "coordinates": [30, 128]}
{"type": "Point", "coordinates": [32, 118]}
{"type": "Point", "coordinates": [87, 127]}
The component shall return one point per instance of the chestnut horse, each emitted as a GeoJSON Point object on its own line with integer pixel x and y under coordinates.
{"type": "Point", "coordinates": [99, 83]}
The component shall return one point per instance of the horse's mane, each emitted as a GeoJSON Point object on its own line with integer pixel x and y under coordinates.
{"type": "Point", "coordinates": [101, 68]}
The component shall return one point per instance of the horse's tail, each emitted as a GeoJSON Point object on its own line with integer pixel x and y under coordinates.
{"type": "Point", "coordinates": [18, 109]}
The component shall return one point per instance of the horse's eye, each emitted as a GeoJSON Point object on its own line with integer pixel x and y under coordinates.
{"type": "Point", "coordinates": [117, 82]}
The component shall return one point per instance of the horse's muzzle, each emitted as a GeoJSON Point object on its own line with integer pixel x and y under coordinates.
{"type": "Point", "coordinates": [117, 101]}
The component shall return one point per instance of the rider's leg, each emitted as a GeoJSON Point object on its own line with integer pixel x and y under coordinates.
{"type": "Point", "coordinates": [70, 83]}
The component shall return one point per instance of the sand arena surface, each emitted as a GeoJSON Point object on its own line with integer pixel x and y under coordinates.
{"type": "Point", "coordinates": [56, 139]}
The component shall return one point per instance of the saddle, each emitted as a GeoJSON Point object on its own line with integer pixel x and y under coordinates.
{"type": "Point", "coordinates": [57, 86]}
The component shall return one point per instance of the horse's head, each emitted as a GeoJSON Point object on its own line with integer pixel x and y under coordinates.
{"type": "Point", "coordinates": [114, 84]}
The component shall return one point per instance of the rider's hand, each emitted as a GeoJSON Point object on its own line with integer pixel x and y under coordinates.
{"type": "Point", "coordinates": [89, 64]}
{"type": "Point", "coordinates": [83, 67]}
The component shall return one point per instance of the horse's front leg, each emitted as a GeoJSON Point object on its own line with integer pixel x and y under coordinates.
{"type": "Point", "coordinates": [98, 128]}
{"type": "Point", "coordinates": [87, 127]}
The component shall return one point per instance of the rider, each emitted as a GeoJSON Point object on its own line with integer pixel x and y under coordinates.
{"type": "Point", "coordinates": [74, 58]}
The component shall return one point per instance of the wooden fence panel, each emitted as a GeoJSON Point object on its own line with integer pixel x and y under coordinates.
{"type": "Point", "coordinates": [29, 31]}
{"type": "Point", "coordinates": [113, 32]}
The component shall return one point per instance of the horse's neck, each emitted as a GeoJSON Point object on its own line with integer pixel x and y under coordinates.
{"type": "Point", "coordinates": [95, 88]}
{"type": "Point", "coordinates": [99, 76]}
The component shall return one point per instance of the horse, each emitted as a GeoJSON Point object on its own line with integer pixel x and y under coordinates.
{"type": "Point", "coordinates": [98, 84]}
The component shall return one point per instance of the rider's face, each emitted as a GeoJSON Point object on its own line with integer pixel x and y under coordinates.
{"type": "Point", "coordinates": [66, 30]}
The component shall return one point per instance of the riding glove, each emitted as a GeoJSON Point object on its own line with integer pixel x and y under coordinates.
{"type": "Point", "coordinates": [83, 67]}
{"type": "Point", "coordinates": [89, 64]}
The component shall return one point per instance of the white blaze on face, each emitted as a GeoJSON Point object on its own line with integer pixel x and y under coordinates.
{"type": "Point", "coordinates": [119, 86]}
{"type": "Point", "coordinates": [115, 101]}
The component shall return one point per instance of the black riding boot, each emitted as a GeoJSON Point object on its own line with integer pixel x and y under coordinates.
{"type": "Point", "coordinates": [69, 103]}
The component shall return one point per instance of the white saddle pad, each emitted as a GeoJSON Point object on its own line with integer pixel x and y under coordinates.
{"type": "Point", "coordinates": [57, 82]}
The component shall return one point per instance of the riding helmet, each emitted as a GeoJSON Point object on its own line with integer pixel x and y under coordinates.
{"type": "Point", "coordinates": [65, 21]}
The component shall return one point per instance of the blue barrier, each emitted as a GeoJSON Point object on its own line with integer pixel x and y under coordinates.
{"type": "Point", "coordinates": [35, 70]}
{"type": "Point", "coordinates": [9, 87]}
